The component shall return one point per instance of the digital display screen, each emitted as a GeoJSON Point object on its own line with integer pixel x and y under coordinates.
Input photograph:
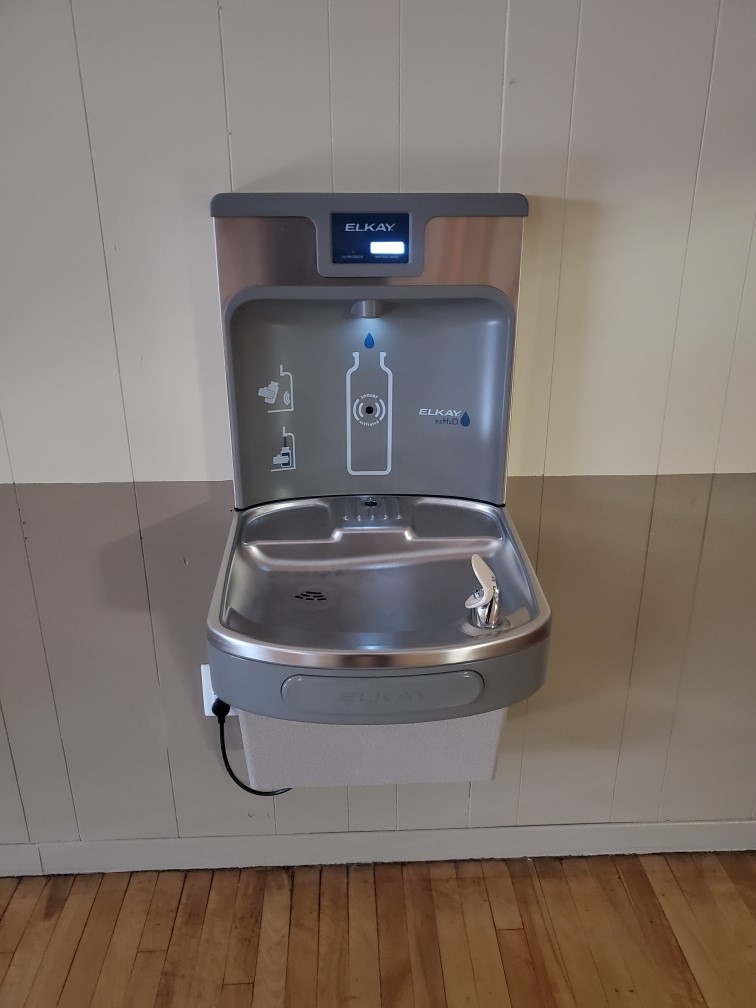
{"type": "Point", "coordinates": [361, 238]}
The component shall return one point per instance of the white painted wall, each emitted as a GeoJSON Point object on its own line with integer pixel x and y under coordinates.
{"type": "Point", "coordinates": [631, 127]}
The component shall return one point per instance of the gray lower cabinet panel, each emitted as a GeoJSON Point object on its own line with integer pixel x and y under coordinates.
{"type": "Point", "coordinates": [674, 552]}
{"type": "Point", "coordinates": [647, 711]}
{"type": "Point", "coordinates": [88, 575]}
{"type": "Point", "coordinates": [26, 695]}
{"type": "Point", "coordinates": [524, 495]}
{"type": "Point", "coordinates": [184, 527]}
{"type": "Point", "coordinates": [711, 773]}
{"type": "Point", "coordinates": [594, 533]}
{"type": "Point", "coordinates": [12, 821]}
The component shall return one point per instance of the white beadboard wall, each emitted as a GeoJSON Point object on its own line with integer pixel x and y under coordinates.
{"type": "Point", "coordinates": [631, 127]}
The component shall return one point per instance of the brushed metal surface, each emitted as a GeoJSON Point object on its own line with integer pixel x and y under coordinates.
{"type": "Point", "coordinates": [281, 251]}
{"type": "Point", "coordinates": [328, 583]}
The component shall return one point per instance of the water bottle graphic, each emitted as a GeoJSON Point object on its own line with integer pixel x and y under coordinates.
{"type": "Point", "coordinates": [369, 385]}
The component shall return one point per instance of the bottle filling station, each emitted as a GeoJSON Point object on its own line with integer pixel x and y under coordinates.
{"type": "Point", "coordinates": [375, 612]}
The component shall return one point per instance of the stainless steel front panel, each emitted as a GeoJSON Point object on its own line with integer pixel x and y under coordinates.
{"type": "Point", "coordinates": [281, 251]}
{"type": "Point", "coordinates": [382, 695]}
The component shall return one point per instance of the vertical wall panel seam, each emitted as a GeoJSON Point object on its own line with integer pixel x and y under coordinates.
{"type": "Point", "coordinates": [164, 720]}
{"type": "Point", "coordinates": [750, 261]}
{"type": "Point", "coordinates": [561, 244]}
{"type": "Point", "coordinates": [537, 553]}
{"type": "Point", "coordinates": [4, 728]}
{"type": "Point", "coordinates": [7, 448]}
{"type": "Point", "coordinates": [684, 658]}
{"type": "Point", "coordinates": [676, 326]}
{"type": "Point", "coordinates": [47, 660]}
{"type": "Point", "coordinates": [330, 88]}
{"type": "Point", "coordinates": [102, 235]}
{"type": "Point", "coordinates": [504, 76]}
{"type": "Point", "coordinates": [635, 644]}
{"type": "Point", "coordinates": [225, 97]}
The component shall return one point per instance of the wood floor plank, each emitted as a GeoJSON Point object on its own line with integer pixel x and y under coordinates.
{"type": "Point", "coordinates": [738, 920]}
{"type": "Point", "coordinates": [501, 895]}
{"type": "Point", "coordinates": [302, 960]}
{"type": "Point", "coordinates": [660, 937]}
{"type": "Point", "coordinates": [59, 954]}
{"type": "Point", "coordinates": [488, 969]}
{"type": "Point", "coordinates": [34, 941]}
{"type": "Point", "coordinates": [651, 984]}
{"type": "Point", "coordinates": [425, 958]}
{"type": "Point", "coordinates": [732, 952]}
{"type": "Point", "coordinates": [145, 978]}
{"type": "Point", "coordinates": [393, 940]}
{"type": "Point", "coordinates": [124, 943]}
{"type": "Point", "coordinates": [695, 945]}
{"type": "Point", "coordinates": [245, 930]}
{"type": "Point", "coordinates": [212, 951]}
{"type": "Point", "coordinates": [364, 974]}
{"type": "Point", "coordinates": [239, 996]}
{"type": "Point", "coordinates": [162, 913]}
{"type": "Point", "coordinates": [742, 876]}
{"type": "Point", "coordinates": [18, 911]}
{"type": "Point", "coordinates": [178, 970]}
{"type": "Point", "coordinates": [674, 931]}
{"type": "Point", "coordinates": [90, 953]}
{"type": "Point", "coordinates": [587, 988]}
{"type": "Point", "coordinates": [548, 923]}
{"type": "Point", "coordinates": [459, 982]}
{"type": "Point", "coordinates": [522, 983]}
{"type": "Point", "coordinates": [552, 980]}
{"type": "Point", "coordinates": [270, 974]}
{"type": "Point", "coordinates": [333, 954]}
{"type": "Point", "coordinates": [615, 977]}
{"type": "Point", "coordinates": [8, 885]}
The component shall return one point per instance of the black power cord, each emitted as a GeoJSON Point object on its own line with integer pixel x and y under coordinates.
{"type": "Point", "coordinates": [220, 708]}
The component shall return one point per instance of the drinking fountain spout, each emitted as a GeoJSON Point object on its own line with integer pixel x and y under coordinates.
{"type": "Point", "coordinates": [484, 607]}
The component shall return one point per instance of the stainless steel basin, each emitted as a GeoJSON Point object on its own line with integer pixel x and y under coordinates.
{"type": "Point", "coordinates": [371, 582]}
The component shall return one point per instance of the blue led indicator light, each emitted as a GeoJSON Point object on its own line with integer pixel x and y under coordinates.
{"type": "Point", "coordinates": [369, 342]}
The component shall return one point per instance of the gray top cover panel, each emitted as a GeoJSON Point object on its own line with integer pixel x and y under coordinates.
{"type": "Point", "coordinates": [424, 205]}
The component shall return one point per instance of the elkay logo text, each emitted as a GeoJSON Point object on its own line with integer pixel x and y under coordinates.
{"type": "Point", "coordinates": [378, 696]}
{"type": "Point", "coordinates": [369, 227]}
{"type": "Point", "coordinates": [447, 416]}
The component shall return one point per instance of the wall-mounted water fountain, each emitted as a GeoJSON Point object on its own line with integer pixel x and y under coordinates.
{"type": "Point", "coordinates": [375, 611]}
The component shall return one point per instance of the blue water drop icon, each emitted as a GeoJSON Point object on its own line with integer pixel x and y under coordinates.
{"type": "Point", "coordinates": [465, 419]}
{"type": "Point", "coordinates": [369, 342]}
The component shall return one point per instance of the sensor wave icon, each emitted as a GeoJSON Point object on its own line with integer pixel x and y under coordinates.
{"type": "Point", "coordinates": [369, 409]}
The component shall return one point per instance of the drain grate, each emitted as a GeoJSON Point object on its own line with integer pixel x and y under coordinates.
{"type": "Point", "coordinates": [311, 595]}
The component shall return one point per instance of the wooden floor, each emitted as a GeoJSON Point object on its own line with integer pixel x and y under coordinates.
{"type": "Point", "coordinates": [650, 932]}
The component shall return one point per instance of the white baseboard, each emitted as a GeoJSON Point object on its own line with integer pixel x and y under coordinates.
{"type": "Point", "coordinates": [399, 845]}
{"type": "Point", "coordinates": [20, 859]}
